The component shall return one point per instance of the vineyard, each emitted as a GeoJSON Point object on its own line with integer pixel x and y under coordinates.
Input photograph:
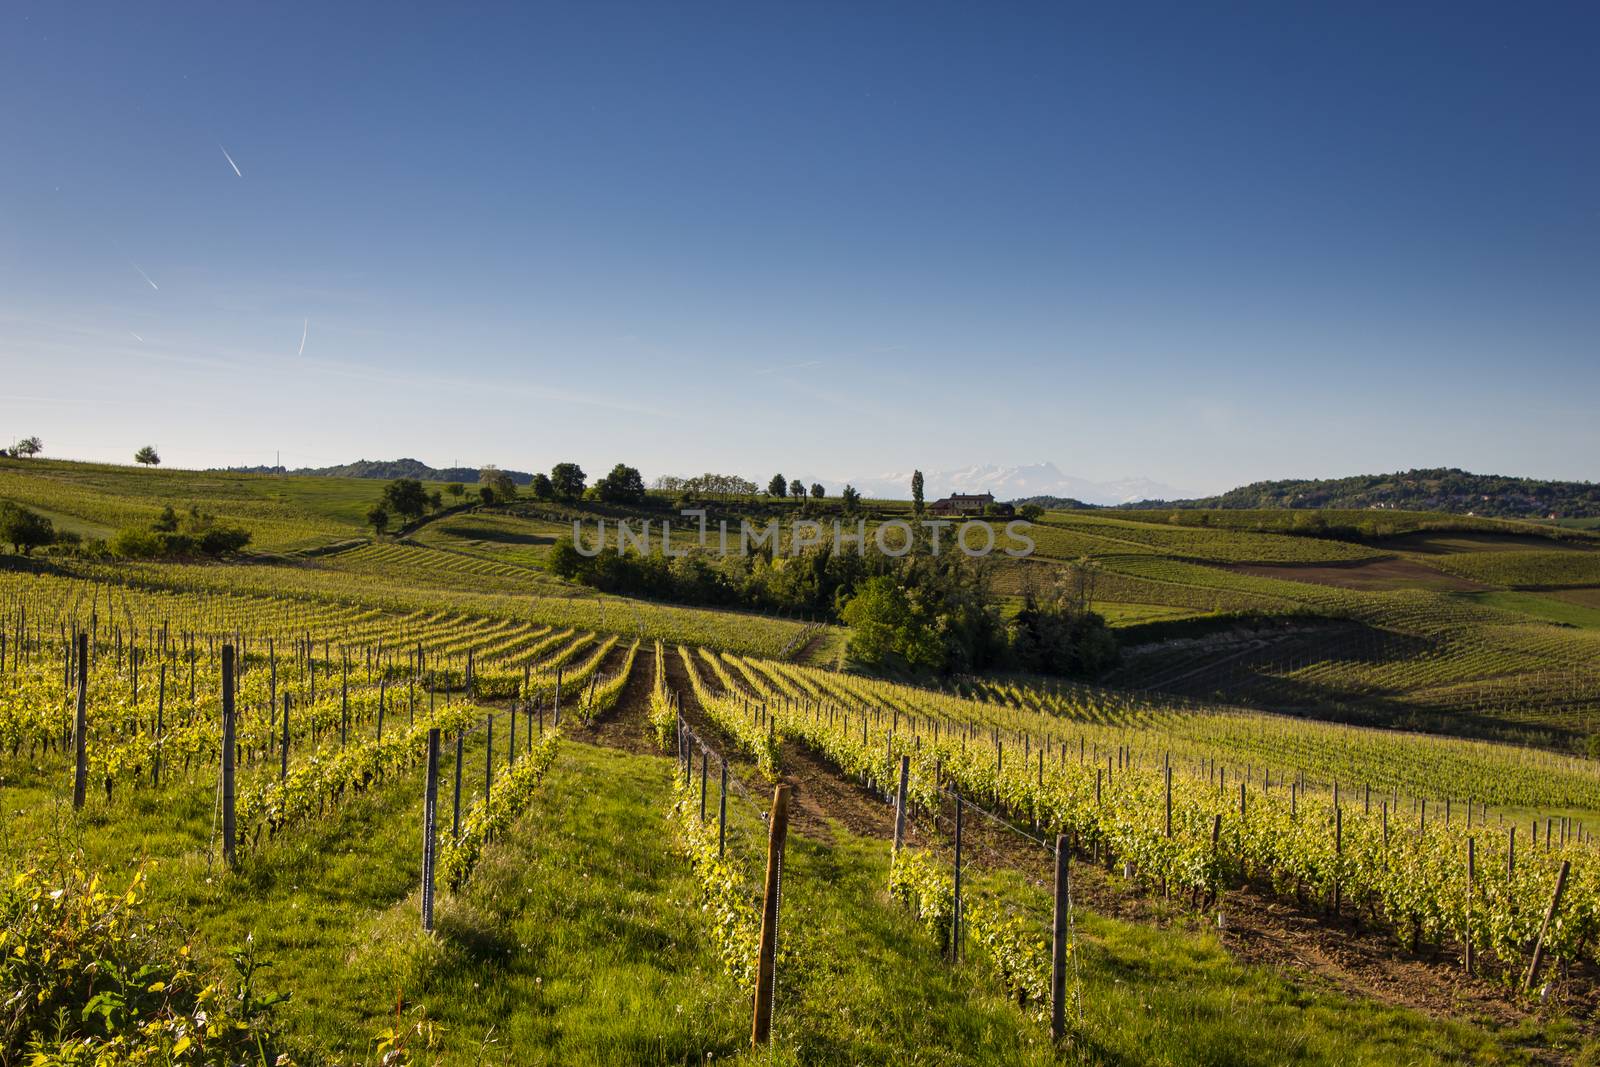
{"type": "Point", "coordinates": [437, 797]}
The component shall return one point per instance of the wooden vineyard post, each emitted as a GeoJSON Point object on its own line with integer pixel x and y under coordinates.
{"type": "Point", "coordinates": [1058, 946]}
{"type": "Point", "coordinates": [1338, 852]}
{"type": "Point", "coordinates": [283, 760]}
{"type": "Point", "coordinates": [1544, 927]}
{"type": "Point", "coordinates": [511, 740]}
{"type": "Point", "coordinates": [705, 773]}
{"type": "Point", "coordinates": [161, 711]}
{"type": "Point", "coordinates": [955, 907]}
{"type": "Point", "coordinates": [430, 837]}
{"type": "Point", "coordinates": [80, 727]}
{"type": "Point", "coordinates": [1466, 935]}
{"type": "Point", "coordinates": [766, 959]}
{"type": "Point", "coordinates": [722, 813]}
{"type": "Point", "coordinates": [455, 806]}
{"type": "Point", "coordinates": [227, 756]}
{"type": "Point", "coordinates": [488, 756]}
{"type": "Point", "coordinates": [900, 803]}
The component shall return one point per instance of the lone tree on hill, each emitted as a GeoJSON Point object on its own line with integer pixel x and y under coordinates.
{"type": "Point", "coordinates": [456, 489]}
{"type": "Point", "coordinates": [406, 498]}
{"type": "Point", "coordinates": [916, 492]}
{"type": "Point", "coordinates": [566, 481]}
{"type": "Point", "coordinates": [778, 487]}
{"type": "Point", "coordinates": [851, 498]}
{"type": "Point", "coordinates": [378, 519]}
{"type": "Point", "coordinates": [797, 489]}
{"type": "Point", "coordinates": [542, 489]}
{"type": "Point", "coordinates": [492, 477]}
{"type": "Point", "coordinates": [147, 456]}
{"type": "Point", "coordinates": [29, 446]}
{"type": "Point", "coordinates": [817, 492]}
{"type": "Point", "coordinates": [624, 485]}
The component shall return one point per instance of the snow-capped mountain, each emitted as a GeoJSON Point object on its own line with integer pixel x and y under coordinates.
{"type": "Point", "coordinates": [1011, 483]}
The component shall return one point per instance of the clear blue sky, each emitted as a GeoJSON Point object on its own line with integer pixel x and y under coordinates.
{"type": "Point", "coordinates": [1203, 244]}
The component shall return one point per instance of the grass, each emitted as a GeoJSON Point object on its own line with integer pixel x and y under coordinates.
{"type": "Point", "coordinates": [1542, 606]}
{"type": "Point", "coordinates": [578, 940]}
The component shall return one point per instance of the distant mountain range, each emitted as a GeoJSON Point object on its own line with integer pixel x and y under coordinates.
{"type": "Point", "coordinates": [1437, 489]}
{"type": "Point", "coordinates": [388, 470]}
{"type": "Point", "coordinates": [1016, 483]}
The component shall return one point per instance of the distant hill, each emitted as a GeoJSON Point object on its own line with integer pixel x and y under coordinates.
{"type": "Point", "coordinates": [1054, 503]}
{"type": "Point", "coordinates": [1442, 489]}
{"type": "Point", "coordinates": [388, 470]}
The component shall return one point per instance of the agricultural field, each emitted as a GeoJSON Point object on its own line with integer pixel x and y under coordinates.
{"type": "Point", "coordinates": [257, 736]}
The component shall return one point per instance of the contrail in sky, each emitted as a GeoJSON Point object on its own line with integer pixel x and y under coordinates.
{"type": "Point", "coordinates": [231, 163]}
{"type": "Point", "coordinates": [303, 331]}
{"type": "Point", "coordinates": [143, 275]}
{"type": "Point", "coordinates": [136, 337]}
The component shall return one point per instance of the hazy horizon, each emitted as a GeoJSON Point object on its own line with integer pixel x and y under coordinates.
{"type": "Point", "coordinates": [1141, 243]}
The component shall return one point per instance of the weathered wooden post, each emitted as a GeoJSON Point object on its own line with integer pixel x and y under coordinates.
{"type": "Point", "coordinates": [1544, 927]}
{"type": "Point", "coordinates": [955, 907]}
{"type": "Point", "coordinates": [900, 803]}
{"type": "Point", "coordinates": [488, 756]}
{"type": "Point", "coordinates": [430, 805]}
{"type": "Point", "coordinates": [722, 813]}
{"type": "Point", "coordinates": [766, 959]}
{"type": "Point", "coordinates": [1466, 935]}
{"type": "Point", "coordinates": [161, 711]}
{"type": "Point", "coordinates": [283, 762]}
{"type": "Point", "coordinates": [1058, 946]}
{"type": "Point", "coordinates": [455, 807]}
{"type": "Point", "coordinates": [705, 774]}
{"type": "Point", "coordinates": [228, 827]}
{"type": "Point", "coordinates": [80, 728]}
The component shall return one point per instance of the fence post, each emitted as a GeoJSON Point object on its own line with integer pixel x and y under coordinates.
{"type": "Point", "coordinates": [80, 727]}
{"type": "Point", "coordinates": [430, 806]}
{"type": "Point", "coordinates": [283, 763]}
{"type": "Point", "coordinates": [955, 907]}
{"type": "Point", "coordinates": [900, 803]}
{"type": "Point", "coordinates": [488, 757]}
{"type": "Point", "coordinates": [455, 806]}
{"type": "Point", "coordinates": [1472, 856]}
{"type": "Point", "coordinates": [705, 773]}
{"type": "Point", "coordinates": [766, 960]}
{"type": "Point", "coordinates": [1544, 927]}
{"type": "Point", "coordinates": [722, 813]}
{"type": "Point", "coordinates": [161, 712]}
{"type": "Point", "coordinates": [228, 833]}
{"type": "Point", "coordinates": [1058, 946]}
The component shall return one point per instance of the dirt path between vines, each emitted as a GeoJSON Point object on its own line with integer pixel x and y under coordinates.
{"type": "Point", "coordinates": [1257, 927]}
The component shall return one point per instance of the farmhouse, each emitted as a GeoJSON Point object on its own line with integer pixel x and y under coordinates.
{"type": "Point", "coordinates": [962, 504]}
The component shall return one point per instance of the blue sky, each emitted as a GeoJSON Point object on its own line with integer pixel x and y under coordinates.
{"type": "Point", "coordinates": [1202, 244]}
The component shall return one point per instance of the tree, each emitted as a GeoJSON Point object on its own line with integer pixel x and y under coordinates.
{"type": "Point", "coordinates": [797, 489]}
{"type": "Point", "coordinates": [888, 623]}
{"type": "Point", "coordinates": [916, 492]}
{"type": "Point", "coordinates": [566, 481]}
{"type": "Point", "coordinates": [24, 530]}
{"type": "Point", "coordinates": [851, 498]}
{"type": "Point", "coordinates": [1030, 512]}
{"type": "Point", "coordinates": [624, 485]}
{"type": "Point", "coordinates": [406, 497]}
{"type": "Point", "coordinates": [147, 456]}
{"type": "Point", "coordinates": [817, 492]}
{"type": "Point", "coordinates": [778, 487]}
{"type": "Point", "coordinates": [541, 486]}
{"type": "Point", "coordinates": [505, 489]}
{"type": "Point", "coordinates": [29, 446]}
{"type": "Point", "coordinates": [378, 519]}
{"type": "Point", "coordinates": [435, 500]}
{"type": "Point", "coordinates": [456, 489]}
{"type": "Point", "coordinates": [485, 495]}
